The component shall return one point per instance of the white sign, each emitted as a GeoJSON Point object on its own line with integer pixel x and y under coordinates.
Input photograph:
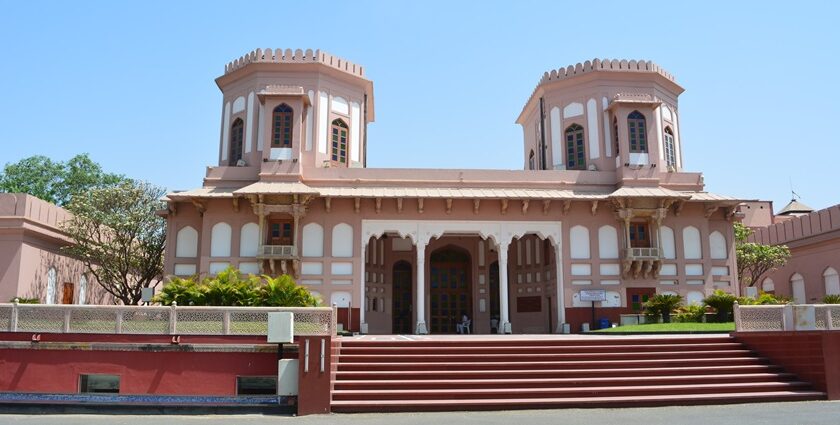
{"type": "Point", "coordinates": [593, 295]}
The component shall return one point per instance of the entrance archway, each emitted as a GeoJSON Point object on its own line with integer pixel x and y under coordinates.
{"type": "Point", "coordinates": [401, 317]}
{"type": "Point", "coordinates": [450, 288]}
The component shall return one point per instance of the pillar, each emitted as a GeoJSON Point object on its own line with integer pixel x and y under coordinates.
{"type": "Point", "coordinates": [504, 305]}
{"type": "Point", "coordinates": [561, 292]}
{"type": "Point", "coordinates": [420, 307]}
{"type": "Point", "coordinates": [362, 284]}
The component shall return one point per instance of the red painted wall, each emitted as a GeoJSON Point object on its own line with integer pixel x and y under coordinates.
{"type": "Point", "coordinates": [813, 356]}
{"type": "Point", "coordinates": [576, 316]}
{"type": "Point", "coordinates": [173, 373]}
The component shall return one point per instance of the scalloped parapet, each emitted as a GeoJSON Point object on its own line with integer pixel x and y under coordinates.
{"type": "Point", "coordinates": [295, 56]}
{"type": "Point", "coordinates": [622, 65]}
{"type": "Point", "coordinates": [599, 65]}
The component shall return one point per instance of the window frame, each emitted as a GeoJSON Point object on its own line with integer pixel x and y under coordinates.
{"type": "Point", "coordinates": [278, 130]}
{"type": "Point", "coordinates": [637, 139]}
{"type": "Point", "coordinates": [575, 147]}
{"type": "Point", "coordinates": [234, 134]}
{"type": "Point", "coordinates": [83, 380]}
{"type": "Point", "coordinates": [240, 378]}
{"type": "Point", "coordinates": [670, 145]}
{"type": "Point", "coordinates": [335, 144]}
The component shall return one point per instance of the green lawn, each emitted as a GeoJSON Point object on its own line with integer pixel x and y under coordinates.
{"type": "Point", "coordinates": [673, 327]}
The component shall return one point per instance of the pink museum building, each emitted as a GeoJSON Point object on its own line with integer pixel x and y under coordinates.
{"type": "Point", "coordinates": [603, 203]}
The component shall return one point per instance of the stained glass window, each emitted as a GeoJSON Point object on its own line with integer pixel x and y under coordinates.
{"type": "Point", "coordinates": [575, 152]}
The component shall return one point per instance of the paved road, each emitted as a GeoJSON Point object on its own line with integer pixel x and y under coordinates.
{"type": "Point", "coordinates": [803, 413]}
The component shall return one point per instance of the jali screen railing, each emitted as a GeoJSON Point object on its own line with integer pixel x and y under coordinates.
{"type": "Point", "coordinates": [160, 320]}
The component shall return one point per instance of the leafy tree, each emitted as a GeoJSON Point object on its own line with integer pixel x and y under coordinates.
{"type": "Point", "coordinates": [55, 182]}
{"type": "Point", "coordinates": [119, 237]}
{"type": "Point", "coordinates": [755, 259]}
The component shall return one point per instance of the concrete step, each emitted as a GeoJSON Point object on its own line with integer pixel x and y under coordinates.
{"type": "Point", "coordinates": [570, 364]}
{"type": "Point", "coordinates": [489, 382]}
{"type": "Point", "coordinates": [501, 341]}
{"type": "Point", "coordinates": [429, 373]}
{"type": "Point", "coordinates": [392, 350]}
{"type": "Point", "coordinates": [412, 405]}
{"type": "Point", "coordinates": [526, 356]}
{"type": "Point", "coordinates": [563, 392]}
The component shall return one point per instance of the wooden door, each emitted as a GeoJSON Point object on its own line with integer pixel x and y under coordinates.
{"type": "Point", "coordinates": [637, 297]}
{"type": "Point", "coordinates": [280, 232]}
{"type": "Point", "coordinates": [450, 294]}
{"type": "Point", "coordinates": [67, 293]}
{"type": "Point", "coordinates": [401, 302]}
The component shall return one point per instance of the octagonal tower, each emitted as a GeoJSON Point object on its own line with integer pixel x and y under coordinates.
{"type": "Point", "coordinates": [604, 115]}
{"type": "Point", "coordinates": [284, 111]}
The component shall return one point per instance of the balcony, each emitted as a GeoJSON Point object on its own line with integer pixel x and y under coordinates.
{"type": "Point", "coordinates": [277, 252]}
{"type": "Point", "coordinates": [641, 263]}
{"type": "Point", "coordinates": [641, 254]}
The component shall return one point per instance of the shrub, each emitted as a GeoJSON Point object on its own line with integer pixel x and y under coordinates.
{"type": "Point", "coordinates": [229, 288]}
{"type": "Point", "coordinates": [763, 299]}
{"type": "Point", "coordinates": [662, 305]}
{"type": "Point", "coordinates": [283, 291]}
{"type": "Point", "coordinates": [690, 313]}
{"type": "Point", "coordinates": [722, 302]}
{"type": "Point", "coordinates": [831, 299]}
{"type": "Point", "coordinates": [25, 300]}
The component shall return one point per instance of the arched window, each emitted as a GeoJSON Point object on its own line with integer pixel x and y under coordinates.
{"type": "Point", "coordinates": [797, 286]}
{"type": "Point", "coordinates": [638, 132]}
{"type": "Point", "coordinates": [575, 154]}
{"type": "Point", "coordinates": [531, 161]}
{"type": "Point", "coordinates": [281, 126]}
{"type": "Point", "coordinates": [339, 142]}
{"type": "Point", "coordinates": [236, 131]}
{"type": "Point", "coordinates": [670, 149]}
{"type": "Point", "coordinates": [51, 285]}
{"type": "Point", "coordinates": [832, 281]}
{"type": "Point", "coordinates": [83, 289]}
{"type": "Point", "coordinates": [615, 135]}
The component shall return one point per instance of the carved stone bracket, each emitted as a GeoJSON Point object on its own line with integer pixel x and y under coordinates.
{"type": "Point", "coordinates": [546, 206]}
{"type": "Point", "coordinates": [567, 204]}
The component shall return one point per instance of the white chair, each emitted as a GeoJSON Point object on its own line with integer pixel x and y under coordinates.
{"type": "Point", "coordinates": [463, 327]}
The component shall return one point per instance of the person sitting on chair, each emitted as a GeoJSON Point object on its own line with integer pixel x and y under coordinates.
{"type": "Point", "coordinates": [464, 326]}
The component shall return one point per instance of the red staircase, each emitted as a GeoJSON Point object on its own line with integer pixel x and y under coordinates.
{"type": "Point", "coordinates": [506, 373]}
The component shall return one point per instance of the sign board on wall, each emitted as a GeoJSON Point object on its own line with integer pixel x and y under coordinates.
{"type": "Point", "coordinates": [593, 295]}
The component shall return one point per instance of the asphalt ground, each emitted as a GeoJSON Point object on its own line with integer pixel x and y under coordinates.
{"type": "Point", "coordinates": [793, 413]}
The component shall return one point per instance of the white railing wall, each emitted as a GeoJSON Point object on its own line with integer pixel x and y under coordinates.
{"type": "Point", "coordinates": [160, 320]}
{"type": "Point", "coordinates": [786, 317]}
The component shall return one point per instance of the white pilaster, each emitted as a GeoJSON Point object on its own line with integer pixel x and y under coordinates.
{"type": "Point", "coordinates": [504, 308]}
{"type": "Point", "coordinates": [561, 292]}
{"type": "Point", "coordinates": [421, 329]}
{"type": "Point", "coordinates": [362, 304]}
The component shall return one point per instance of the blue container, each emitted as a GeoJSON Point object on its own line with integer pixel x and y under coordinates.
{"type": "Point", "coordinates": [604, 323]}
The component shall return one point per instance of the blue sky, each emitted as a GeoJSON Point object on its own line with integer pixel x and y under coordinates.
{"type": "Point", "coordinates": [132, 84]}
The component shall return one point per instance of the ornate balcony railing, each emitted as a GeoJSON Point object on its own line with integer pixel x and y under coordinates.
{"type": "Point", "coordinates": [278, 251]}
{"type": "Point", "coordinates": [160, 320]}
{"type": "Point", "coordinates": [641, 253]}
{"type": "Point", "coordinates": [787, 317]}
